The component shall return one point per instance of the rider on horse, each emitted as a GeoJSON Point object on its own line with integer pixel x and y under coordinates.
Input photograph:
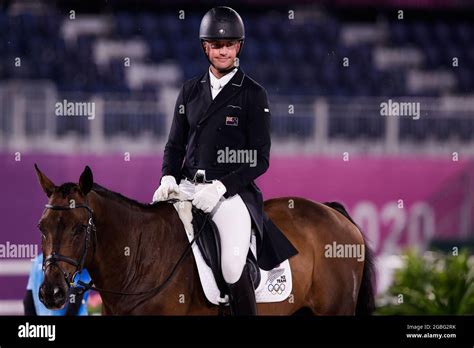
{"type": "Point", "coordinates": [219, 115]}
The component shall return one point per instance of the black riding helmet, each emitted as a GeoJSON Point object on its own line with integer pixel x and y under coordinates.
{"type": "Point", "coordinates": [222, 23]}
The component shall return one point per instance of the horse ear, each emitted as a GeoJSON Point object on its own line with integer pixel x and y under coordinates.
{"type": "Point", "coordinates": [46, 184]}
{"type": "Point", "coordinates": [86, 180]}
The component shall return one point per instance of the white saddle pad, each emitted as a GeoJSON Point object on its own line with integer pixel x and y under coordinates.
{"type": "Point", "coordinates": [275, 285]}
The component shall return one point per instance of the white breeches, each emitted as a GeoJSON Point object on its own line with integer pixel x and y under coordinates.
{"type": "Point", "coordinates": [233, 221]}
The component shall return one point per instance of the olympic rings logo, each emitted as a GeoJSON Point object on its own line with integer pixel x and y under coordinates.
{"type": "Point", "coordinates": [276, 289]}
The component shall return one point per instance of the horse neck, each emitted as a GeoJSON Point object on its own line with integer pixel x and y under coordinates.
{"type": "Point", "coordinates": [133, 250]}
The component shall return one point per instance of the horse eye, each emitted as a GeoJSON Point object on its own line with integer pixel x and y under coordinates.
{"type": "Point", "coordinates": [43, 236]}
{"type": "Point", "coordinates": [78, 229]}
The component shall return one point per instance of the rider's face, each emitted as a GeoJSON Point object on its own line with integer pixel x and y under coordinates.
{"type": "Point", "coordinates": [222, 53]}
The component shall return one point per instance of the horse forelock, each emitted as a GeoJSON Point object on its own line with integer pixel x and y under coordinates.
{"type": "Point", "coordinates": [67, 189]}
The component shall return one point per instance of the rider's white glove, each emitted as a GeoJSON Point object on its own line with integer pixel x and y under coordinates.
{"type": "Point", "coordinates": [167, 186]}
{"type": "Point", "coordinates": [208, 197]}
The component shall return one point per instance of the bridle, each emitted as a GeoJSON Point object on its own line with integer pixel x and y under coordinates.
{"type": "Point", "coordinates": [54, 258]}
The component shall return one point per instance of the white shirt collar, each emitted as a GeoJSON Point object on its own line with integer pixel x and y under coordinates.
{"type": "Point", "coordinates": [220, 83]}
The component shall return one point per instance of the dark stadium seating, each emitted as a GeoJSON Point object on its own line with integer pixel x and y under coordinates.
{"type": "Point", "coordinates": [300, 58]}
{"type": "Point", "coordinates": [314, 46]}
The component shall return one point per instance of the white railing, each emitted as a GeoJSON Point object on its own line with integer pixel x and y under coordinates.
{"type": "Point", "coordinates": [307, 125]}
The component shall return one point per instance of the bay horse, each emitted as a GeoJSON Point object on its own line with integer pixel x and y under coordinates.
{"type": "Point", "coordinates": [129, 247]}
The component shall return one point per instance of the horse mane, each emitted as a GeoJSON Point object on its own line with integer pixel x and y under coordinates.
{"type": "Point", "coordinates": [69, 187]}
{"type": "Point", "coordinates": [104, 192]}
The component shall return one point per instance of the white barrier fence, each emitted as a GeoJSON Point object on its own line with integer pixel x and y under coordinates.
{"type": "Point", "coordinates": [13, 268]}
{"type": "Point", "coordinates": [35, 116]}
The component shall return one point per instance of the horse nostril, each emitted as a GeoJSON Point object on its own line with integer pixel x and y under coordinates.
{"type": "Point", "coordinates": [58, 294]}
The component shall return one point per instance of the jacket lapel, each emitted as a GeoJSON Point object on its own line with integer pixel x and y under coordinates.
{"type": "Point", "coordinates": [205, 92]}
{"type": "Point", "coordinates": [229, 90]}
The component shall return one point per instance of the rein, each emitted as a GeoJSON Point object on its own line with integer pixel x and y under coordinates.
{"type": "Point", "coordinates": [84, 287]}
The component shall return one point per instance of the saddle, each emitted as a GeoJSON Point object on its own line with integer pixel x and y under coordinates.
{"type": "Point", "coordinates": [208, 241]}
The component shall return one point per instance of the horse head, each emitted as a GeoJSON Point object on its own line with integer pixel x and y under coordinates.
{"type": "Point", "coordinates": [66, 227]}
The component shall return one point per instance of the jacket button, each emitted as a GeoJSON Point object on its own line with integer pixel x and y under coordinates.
{"type": "Point", "coordinates": [219, 129]}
